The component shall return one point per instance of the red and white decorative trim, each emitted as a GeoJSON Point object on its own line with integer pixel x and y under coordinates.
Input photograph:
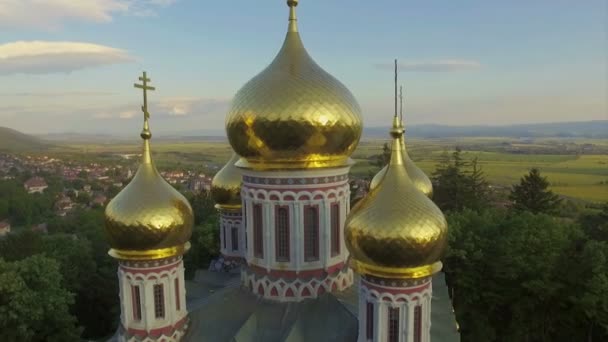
{"type": "Point", "coordinates": [293, 287]}
{"type": "Point", "coordinates": [263, 194]}
{"type": "Point", "coordinates": [394, 310]}
{"type": "Point", "coordinates": [138, 319]}
{"type": "Point", "coordinates": [232, 235]}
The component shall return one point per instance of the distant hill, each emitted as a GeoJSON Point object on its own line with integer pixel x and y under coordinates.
{"type": "Point", "coordinates": [583, 129]}
{"type": "Point", "coordinates": [15, 141]}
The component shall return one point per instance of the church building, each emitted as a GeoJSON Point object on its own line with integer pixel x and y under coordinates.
{"type": "Point", "coordinates": [311, 268]}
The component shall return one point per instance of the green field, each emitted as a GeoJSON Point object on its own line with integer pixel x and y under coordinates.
{"type": "Point", "coordinates": [581, 176]}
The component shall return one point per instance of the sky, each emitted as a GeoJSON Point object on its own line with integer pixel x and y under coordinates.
{"type": "Point", "coordinates": [70, 65]}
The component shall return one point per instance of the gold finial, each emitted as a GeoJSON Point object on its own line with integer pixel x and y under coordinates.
{"type": "Point", "coordinates": [293, 21]}
{"type": "Point", "coordinates": [396, 130]}
{"type": "Point", "coordinates": [145, 133]}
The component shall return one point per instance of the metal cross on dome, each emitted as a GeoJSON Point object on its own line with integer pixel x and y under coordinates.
{"type": "Point", "coordinates": [145, 87]}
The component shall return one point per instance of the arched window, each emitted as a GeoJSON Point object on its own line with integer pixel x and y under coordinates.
{"type": "Point", "coordinates": [282, 234]}
{"type": "Point", "coordinates": [311, 233]}
{"type": "Point", "coordinates": [136, 302]}
{"type": "Point", "coordinates": [335, 229]}
{"type": "Point", "coordinates": [159, 301]}
{"type": "Point", "coordinates": [369, 321]}
{"type": "Point", "coordinates": [258, 243]}
{"type": "Point", "coordinates": [417, 323]}
{"type": "Point", "coordinates": [177, 301]}
{"type": "Point", "coordinates": [393, 324]}
{"type": "Point", "coordinates": [235, 238]}
{"type": "Point", "coordinates": [224, 235]}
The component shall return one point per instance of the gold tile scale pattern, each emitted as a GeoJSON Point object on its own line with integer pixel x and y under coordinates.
{"type": "Point", "coordinates": [148, 219]}
{"type": "Point", "coordinates": [418, 177]}
{"type": "Point", "coordinates": [396, 231]}
{"type": "Point", "coordinates": [226, 185]}
{"type": "Point", "coordinates": [293, 114]}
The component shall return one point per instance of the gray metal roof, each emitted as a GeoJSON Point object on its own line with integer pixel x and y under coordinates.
{"type": "Point", "coordinates": [230, 313]}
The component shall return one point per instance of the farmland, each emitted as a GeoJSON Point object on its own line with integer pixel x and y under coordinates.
{"type": "Point", "coordinates": [575, 168]}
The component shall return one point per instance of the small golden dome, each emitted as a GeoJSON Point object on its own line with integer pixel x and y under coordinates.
{"type": "Point", "coordinates": [226, 185]}
{"type": "Point", "coordinates": [148, 219]}
{"type": "Point", "coordinates": [293, 114]}
{"type": "Point", "coordinates": [417, 176]}
{"type": "Point", "coordinates": [395, 231]}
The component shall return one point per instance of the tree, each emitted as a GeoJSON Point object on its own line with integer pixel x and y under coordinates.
{"type": "Point", "coordinates": [595, 224]}
{"type": "Point", "coordinates": [455, 187]}
{"type": "Point", "coordinates": [73, 254]}
{"type": "Point", "coordinates": [33, 305]}
{"type": "Point", "coordinates": [519, 276]}
{"type": "Point", "coordinates": [532, 194]}
{"type": "Point", "coordinates": [205, 242]}
{"type": "Point", "coordinates": [382, 159]}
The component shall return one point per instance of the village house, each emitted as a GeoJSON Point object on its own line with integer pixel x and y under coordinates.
{"type": "Point", "coordinates": [35, 185]}
{"type": "Point", "coordinates": [5, 227]}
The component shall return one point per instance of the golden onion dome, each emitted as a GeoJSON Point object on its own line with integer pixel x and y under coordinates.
{"type": "Point", "coordinates": [148, 219]}
{"type": "Point", "coordinates": [395, 231]}
{"type": "Point", "coordinates": [226, 185]}
{"type": "Point", "coordinates": [293, 114]}
{"type": "Point", "coordinates": [417, 176]}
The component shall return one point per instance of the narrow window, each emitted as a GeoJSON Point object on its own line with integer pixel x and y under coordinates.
{"type": "Point", "coordinates": [393, 324]}
{"type": "Point", "coordinates": [311, 234]}
{"type": "Point", "coordinates": [369, 323]}
{"type": "Point", "coordinates": [177, 301]}
{"type": "Point", "coordinates": [335, 229]}
{"type": "Point", "coordinates": [235, 239]}
{"type": "Point", "coordinates": [282, 234]}
{"type": "Point", "coordinates": [258, 244]}
{"type": "Point", "coordinates": [224, 235]}
{"type": "Point", "coordinates": [159, 301]}
{"type": "Point", "coordinates": [417, 323]}
{"type": "Point", "coordinates": [136, 302]}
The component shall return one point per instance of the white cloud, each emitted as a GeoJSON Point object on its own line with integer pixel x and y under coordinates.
{"type": "Point", "coordinates": [58, 94]}
{"type": "Point", "coordinates": [51, 14]}
{"type": "Point", "coordinates": [43, 57]}
{"type": "Point", "coordinates": [444, 65]}
{"type": "Point", "coordinates": [167, 107]}
{"type": "Point", "coordinates": [127, 114]}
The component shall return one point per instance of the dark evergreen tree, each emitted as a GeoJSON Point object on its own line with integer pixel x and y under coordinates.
{"type": "Point", "coordinates": [532, 194]}
{"type": "Point", "coordinates": [458, 184]}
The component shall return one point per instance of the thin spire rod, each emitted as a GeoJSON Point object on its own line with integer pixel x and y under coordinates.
{"type": "Point", "coordinates": [395, 87]}
{"type": "Point", "coordinates": [401, 103]}
{"type": "Point", "coordinates": [293, 21]}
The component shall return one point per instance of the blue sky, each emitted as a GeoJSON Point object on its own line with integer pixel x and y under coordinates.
{"type": "Point", "coordinates": [70, 65]}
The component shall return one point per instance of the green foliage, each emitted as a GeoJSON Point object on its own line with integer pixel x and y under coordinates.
{"type": "Point", "coordinates": [205, 238]}
{"type": "Point", "coordinates": [532, 194]}
{"type": "Point", "coordinates": [202, 206]}
{"type": "Point", "coordinates": [23, 208]}
{"type": "Point", "coordinates": [459, 184]}
{"type": "Point", "coordinates": [97, 302]}
{"type": "Point", "coordinates": [33, 305]}
{"type": "Point", "coordinates": [521, 276]}
{"type": "Point", "coordinates": [382, 159]}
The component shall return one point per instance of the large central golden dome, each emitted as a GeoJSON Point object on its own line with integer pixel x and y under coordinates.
{"type": "Point", "coordinates": [293, 114]}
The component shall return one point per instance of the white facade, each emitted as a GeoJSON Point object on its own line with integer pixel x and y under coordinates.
{"type": "Point", "coordinates": [232, 234]}
{"type": "Point", "coordinates": [142, 278]}
{"type": "Point", "coordinates": [296, 192]}
{"type": "Point", "coordinates": [410, 302]}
